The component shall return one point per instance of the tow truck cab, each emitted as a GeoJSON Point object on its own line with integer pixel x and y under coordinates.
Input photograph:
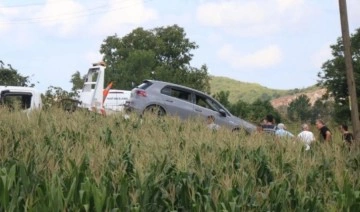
{"type": "Point", "coordinates": [24, 98]}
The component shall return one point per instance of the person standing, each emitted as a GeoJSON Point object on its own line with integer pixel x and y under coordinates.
{"type": "Point", "coordinates": [347, 136]}
{"type": "Point", "coordinates": [282, 132]}
{"type": "Point", "coordinates": [306, 136]}
{"type": "Point", "coordinates": [325, 133]}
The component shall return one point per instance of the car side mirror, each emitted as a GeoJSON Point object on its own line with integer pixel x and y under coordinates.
{"type": "Point", "coordinates": [222, 112]}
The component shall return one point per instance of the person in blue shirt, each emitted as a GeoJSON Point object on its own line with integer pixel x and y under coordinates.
{"type": "Point", "coordinates": [282, 132]}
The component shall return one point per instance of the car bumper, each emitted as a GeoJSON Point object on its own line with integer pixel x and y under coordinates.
{"type": "Point", "coordinates": [130, 107]}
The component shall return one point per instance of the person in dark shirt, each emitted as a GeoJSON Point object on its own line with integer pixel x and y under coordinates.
{"type": "Point", "coordinates": [269, 124]}
{"type": "Point", "coordinates": [347, 136]}
{"type": "Point", "coordinates": [325, 134]}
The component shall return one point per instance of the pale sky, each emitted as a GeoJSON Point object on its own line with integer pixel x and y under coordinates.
{"type": "Point", "coordinates": [279, 44]}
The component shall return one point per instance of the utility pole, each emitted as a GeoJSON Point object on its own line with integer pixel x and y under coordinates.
{"type": "Point", "coordinates": [349, 70]}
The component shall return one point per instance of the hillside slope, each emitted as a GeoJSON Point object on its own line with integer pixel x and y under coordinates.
{"type": "Point", "coordinates": [249, 92]}
{"type": "Point", "coordinates": [286, 100]}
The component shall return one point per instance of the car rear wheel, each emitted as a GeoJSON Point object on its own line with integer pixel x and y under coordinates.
{"type": "Point", "coordinates": [155, 110]}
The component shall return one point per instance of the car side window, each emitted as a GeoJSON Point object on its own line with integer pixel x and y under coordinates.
{"type": "Point", "coordinates": [205, 102]}
{"type": "Point", "coordinates": [177, 93]}
{"type": "Point", "coordinates": [213, 104]}
{"type": "Point", "coordinates": [166, 91]}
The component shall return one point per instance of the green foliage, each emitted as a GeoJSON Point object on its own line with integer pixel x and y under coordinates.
{"type": "Point", "coordinates": [333, 76]}
{"type": "Point", "coordinates": [56, 96]}
{"type": "Point", "coordinates": [77, 81]}
{"type": "Point", "coordinates": [259, 109]}
{"type": "Point", "coordinates": [250, 92]}
{"type": "Point", "coordinates": [241, 109]}
{"type": "Point", "coordinates": [324, 110]}
{"type": "Point", "coordinates": [300, 109]}
{"type": "Point", "coordinates": [223, 98]}
{"type": "Point", "coordinates": [10, 76]}
{"type": "Point", "coordinates": [162, 53]}
{"type": "Point", "coordinates": [254, 112]}
{"type": "Point", "coordinates": [53, 161]}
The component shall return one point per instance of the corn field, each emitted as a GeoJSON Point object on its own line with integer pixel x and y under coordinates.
{"type": "Point", "coordinates": [56, 161]}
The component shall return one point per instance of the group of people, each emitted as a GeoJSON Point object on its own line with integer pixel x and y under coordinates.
{"type": "Point", "coordinates": [268, 125]}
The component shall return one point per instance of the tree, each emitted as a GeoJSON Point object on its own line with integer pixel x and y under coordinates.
{"type": "Point", "coordinates": [162, 53]}
{"type": "Point", "coordinates": [265, 97]}
{"type": "Point", "coordinates": [300, 109]}
{"type": "Point", "coordinates": [77, 81]}
{"type": "Point", "coordinates": [54, 96]}
{"type": "Point", "coordinates": [322, 109]}
{"type": "Point", "coordinates": [259, 109]}
{"type": "Point", "coordinates": [241, 109]}
{"type": "Point", "coordinates": [333, 76]}
{"type": "Point", "coordinates": [10, 76]}
{"type": "Point", "coordinates": [223, 98]}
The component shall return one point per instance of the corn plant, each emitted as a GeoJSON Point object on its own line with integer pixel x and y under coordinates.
{"type": "Point", "coordinates": [58, 161]}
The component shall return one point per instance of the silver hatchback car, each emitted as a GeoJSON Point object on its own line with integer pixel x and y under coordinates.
{"type": "Point", "coordinates": [173, 99]}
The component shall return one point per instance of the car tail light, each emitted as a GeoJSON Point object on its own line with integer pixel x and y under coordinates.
{"type": "Point", "coordinates": [141, 93]}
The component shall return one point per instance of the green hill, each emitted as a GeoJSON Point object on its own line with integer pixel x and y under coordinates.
{"type": "Point", "coordinates": [249, 92]}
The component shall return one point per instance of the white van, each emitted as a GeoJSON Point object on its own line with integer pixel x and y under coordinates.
{"type": "Point", "coordinates": [26, 98]}
{"type": "Point", "coordinates": [116, 99]}
{"type": "Point", "coordinates": [92, 95]}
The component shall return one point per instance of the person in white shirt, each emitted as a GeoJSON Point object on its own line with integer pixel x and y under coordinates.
{"type": "Point", "coordinates": [306, 136]}
{"type": "Point", "coordinates": [211, 123]}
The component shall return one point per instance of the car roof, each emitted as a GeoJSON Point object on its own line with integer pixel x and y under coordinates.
{"type": "Point", "coordinates": [177, 85]}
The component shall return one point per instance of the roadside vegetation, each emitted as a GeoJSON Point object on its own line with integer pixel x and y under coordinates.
{"type": "Point", "coordinates": [53, 160]}
{"type": "Point", "coordinates": [250, 92]}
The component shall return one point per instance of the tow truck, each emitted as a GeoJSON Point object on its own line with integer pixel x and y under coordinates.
{"type": "Point", "coordinates": [94, 97]}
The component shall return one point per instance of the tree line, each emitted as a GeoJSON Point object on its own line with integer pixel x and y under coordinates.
{"type": "Point", "coordinates": [165, 53]}
{"type": "Point", "coordinates": [10, 76]}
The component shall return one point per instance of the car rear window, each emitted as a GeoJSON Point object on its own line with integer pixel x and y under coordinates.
{"type": "Point", "coordinates": [145, 85]}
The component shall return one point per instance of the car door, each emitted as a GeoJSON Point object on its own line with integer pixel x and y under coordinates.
{"type": "Point", "coordinates": [206, 106]}
{"type": "Point", "coordinates": [178, 101]}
